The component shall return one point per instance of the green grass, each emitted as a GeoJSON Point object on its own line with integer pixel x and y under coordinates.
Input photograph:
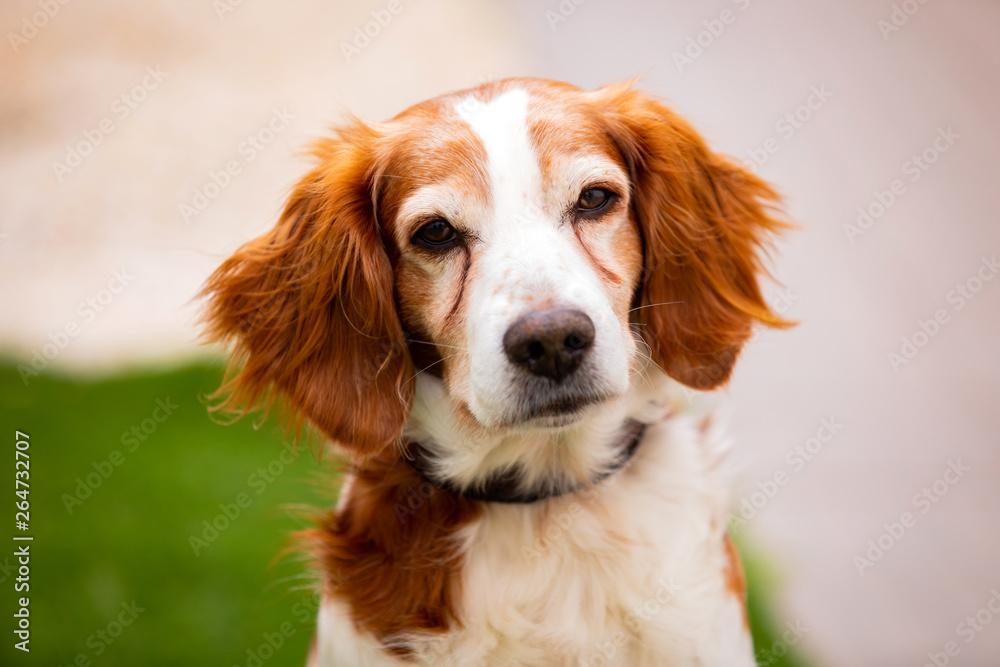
{"type": "Point", "coordinates": [130, 539]}
{"type": "Point", "coordinates": [770, 648]}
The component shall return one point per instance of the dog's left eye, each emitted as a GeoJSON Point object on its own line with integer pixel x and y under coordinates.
{"type": "Point", "coordinates": [436, 234]}
{"type": "Point", "coordinates": [593, 199]}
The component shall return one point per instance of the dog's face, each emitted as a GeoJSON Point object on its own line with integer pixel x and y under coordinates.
{"type": "Point", "coordinates": [531, 245]}
{"type": "Point", "coordinates": [517, 264]}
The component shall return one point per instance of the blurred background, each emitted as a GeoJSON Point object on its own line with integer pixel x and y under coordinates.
{"type": "Point", "coordinates": [143, 142]}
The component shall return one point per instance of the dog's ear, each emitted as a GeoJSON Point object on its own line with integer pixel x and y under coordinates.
{"type": "Point", "coordinates": [310, 311]}
{"type": "Point", "coordinates": [703, 221]}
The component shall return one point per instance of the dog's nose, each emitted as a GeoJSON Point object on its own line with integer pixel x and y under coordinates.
{"type": "Point", "coordinates": [549, 343]}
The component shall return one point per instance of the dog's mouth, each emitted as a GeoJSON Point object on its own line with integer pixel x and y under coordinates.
{"type": "Point", "coordinates": [556, 413]}
{"type": "Point", "coordinates": [559, 408]}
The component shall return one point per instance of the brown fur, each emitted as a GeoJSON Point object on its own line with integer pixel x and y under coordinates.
{"type": "Point", "coordinates": [391, 552]}
{"type": "Point", "coordinates": [310, 308]}
{"type": "Point", "coordinates": [328, 340]}
{"type": "Point", "coordinates": [315, 310]}
{"type": "Point", "coordinates": [736, 582]}
{"type": "Point", "coordinates": [703, 221]}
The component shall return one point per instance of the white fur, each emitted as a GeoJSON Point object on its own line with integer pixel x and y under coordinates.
{"type": "Point", "coordinates": [553, 583]}
{"type": "Point", "coordinates": [525, 258]}
{"type": "Point", "coordinates": [628, 572]}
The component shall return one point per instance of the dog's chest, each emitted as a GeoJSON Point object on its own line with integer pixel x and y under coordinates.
{"type": "Point", "coordinates": [631, 572]}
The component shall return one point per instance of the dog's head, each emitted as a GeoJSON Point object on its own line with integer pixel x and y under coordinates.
{"type": "Point", "coordinates": [528, 246]}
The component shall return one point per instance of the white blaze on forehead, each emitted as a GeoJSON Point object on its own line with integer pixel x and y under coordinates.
{"type": "Point", "coordinates": [524, 258]}
{"type": "Point", "coordinates": [502, 126]}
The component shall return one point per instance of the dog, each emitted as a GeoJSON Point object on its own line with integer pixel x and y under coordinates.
{"type": "Point", "coordinates": [492, 305]}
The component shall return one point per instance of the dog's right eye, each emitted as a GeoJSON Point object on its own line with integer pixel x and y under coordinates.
{"type": "Point", "coordinates": [436, 235]}
{"type": "Point", "coordinates": [593, 200]}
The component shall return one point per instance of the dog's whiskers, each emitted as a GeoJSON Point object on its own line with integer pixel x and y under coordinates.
{"type": "Point", "coordinates": [451, 356]}
{"type": "Point", "coordinates": [427, 342]}
{"type": "Point", "coordinates": [649, 305]}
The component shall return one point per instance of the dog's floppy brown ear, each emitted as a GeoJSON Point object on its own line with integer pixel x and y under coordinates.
{"type": "Point", "coordinates": [703, 221]}
{"type": "Point", "coordinates": [309, 309]}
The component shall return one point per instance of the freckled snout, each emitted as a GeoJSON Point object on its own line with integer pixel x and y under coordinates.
{"type": "Point", "coordinates": [549, 343]}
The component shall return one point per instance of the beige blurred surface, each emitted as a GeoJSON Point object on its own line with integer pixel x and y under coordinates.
{"type": "Point", "coordinates": [856, 298]}
{"type": "Point", "coordinates": [224, 78]}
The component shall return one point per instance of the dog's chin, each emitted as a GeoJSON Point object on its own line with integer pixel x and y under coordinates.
{"type": "Point", "coordinates": [552, 421]}
{"type": "Point", "coordinates": [529, 404]}
{"type": "Point", "coordinates": [555, 414]}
